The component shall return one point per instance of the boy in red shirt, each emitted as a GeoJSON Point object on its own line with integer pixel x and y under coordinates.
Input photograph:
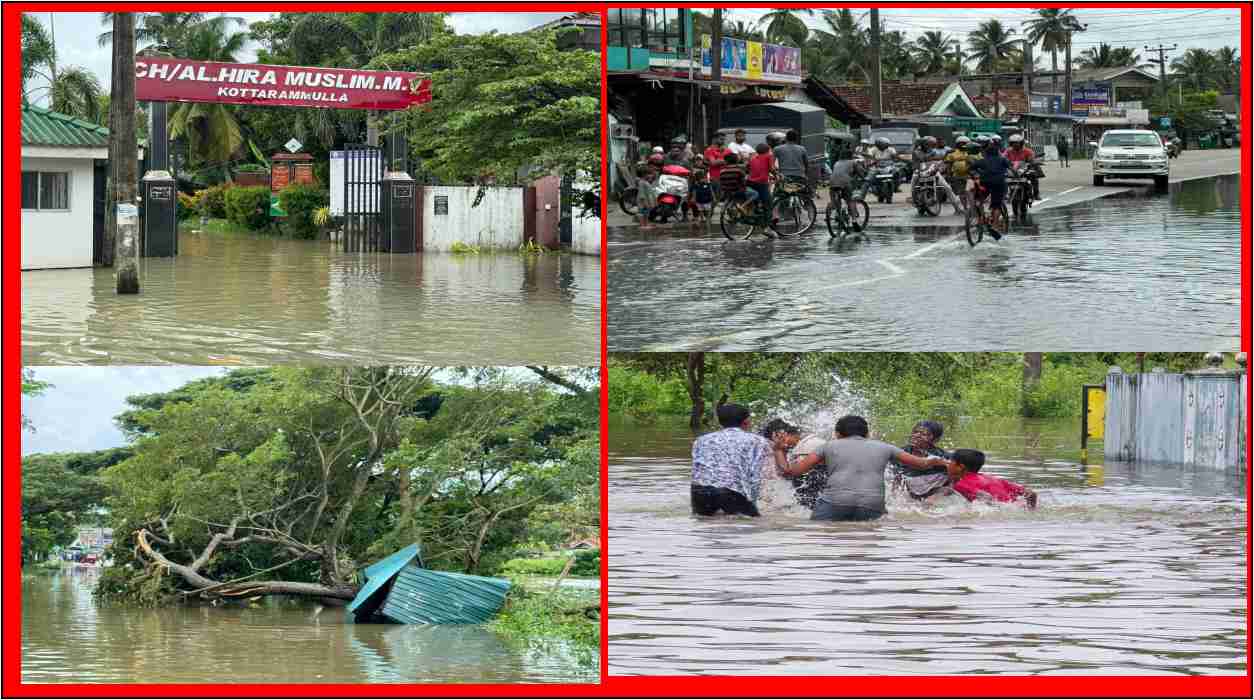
{"type": "Point", "coordinates": [966, 479]}
{"type": "Point", "coordinates": [760, 167]}
{"type": "Point", "coordinates": [714, 157]}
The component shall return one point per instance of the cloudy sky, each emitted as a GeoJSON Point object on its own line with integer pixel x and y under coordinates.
{"type": "Point", "coordinates": [76, 413]}
{"type": "Point", "coordinates": [1188, 28]}
{"type": "Point", "coordinates": [76, 34]}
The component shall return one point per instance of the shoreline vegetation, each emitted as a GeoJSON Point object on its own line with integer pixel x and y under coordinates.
{"type": "Point", "coordinates": [940, 384]}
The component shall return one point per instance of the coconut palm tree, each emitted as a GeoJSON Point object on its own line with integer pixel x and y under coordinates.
{"type": "Point", "coordinates": [162, 29]}
{"type": "Point", "coordinates": [991, 46]}
{"type": "Point", "coordinates": [933, 52]}
{"type": "Point", "coordinates": [741, 30]}
{"type": "Point", "coordinates": [1104, 56]}
{"type": "Point", "coordinates": [1196, 67]}
{"type": "Point", "coordinates": [786, 26]}
{"type": "Point", "coordinates": [71, 90]}
{"type": "Point", "coordinates": [844, 46]}
{"type": "Point", "coordinates": [896, 58]}
{"type": "Point", "coordinates": [1228, 69]}
{"type": "Point", "coordinates": [212, 132]}
{"type": "Point", "coordinates": [1050, 28]}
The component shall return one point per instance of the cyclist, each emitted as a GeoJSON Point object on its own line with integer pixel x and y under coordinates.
{"type": "Point", "coordinates": [933, 151]}
{"type": "Point", "coordinates": [732, 184]}
{"type": "Point", "coordinates": [844, 175]}
{"type": "Point", "coordinates": [1019, 153]}
{"type": "Point", "coordinates": [958, 164]}
{"type": "Point", "coordinates": [992, 169]}
{"type": "Point", "coordinates": [791, 158]}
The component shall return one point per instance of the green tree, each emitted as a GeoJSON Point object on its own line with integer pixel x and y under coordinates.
{"type": "Point", "coordinates": [992, 46]}
{"type": "Point", "coordinates": [31, 387]}
{"type": "Point", "coordinates": [934, 51]}
{"type": "Point", "coordinates": [786, 26]}
{"type": "Point", "coordinates": [502, 103]}
{"type": "Point", "coordinates": [57, 498]}
{"type": "Point", "coordinates": [1104, 56]}
{"type": "Point", "coordinates": [37, 52]}
{"type": "Point", "coordinates": [895, 56]}
{"type": "Point", "coordinates": [1196, 68]}
{"type": "Point", "coordinates": [71, 90]}
{"type": "Point", "coordinates": [1051, 28]}
{"type": "Point", "coordinates": [212, 132]}
{"type": "Point", "coordinates": [1228, 70]}
{"type": "Point", "coordinates": [841, 50]}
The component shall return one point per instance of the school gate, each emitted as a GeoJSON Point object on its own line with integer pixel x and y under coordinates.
{"type": "Point", "coordinates": [380, 198]}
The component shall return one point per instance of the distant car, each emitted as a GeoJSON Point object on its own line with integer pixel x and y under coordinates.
{"type": "Point", "coordinates": [1130, 154]}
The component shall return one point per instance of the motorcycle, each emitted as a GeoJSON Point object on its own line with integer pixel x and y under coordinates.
{"type": "Point", "coordinates": [1019, 189]}
{"type": "Point", "coordinates": [884, 179]}
{"type": "Point", "coordinates": [672, 187]}
{"type": "Point", "coordinates": [1172, 148]}
{"type": "Point", "coordinates": [926, 191]}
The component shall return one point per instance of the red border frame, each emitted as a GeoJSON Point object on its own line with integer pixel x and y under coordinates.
{"type": "Point", "coordinates": [716, 686]}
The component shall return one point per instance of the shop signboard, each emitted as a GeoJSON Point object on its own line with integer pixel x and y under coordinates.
{"type": "Point", "coordinates": [752, 60]}
{"type": "Point", "coordinates": [1087, 97]}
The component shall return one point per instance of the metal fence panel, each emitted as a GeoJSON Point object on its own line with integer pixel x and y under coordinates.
{"type": "Point", "coordinates": [1119, 443]}
{"type": "Point", "coordinates": [1159, 418]}
{"type": "Point", "coordinates": [1193, 419]}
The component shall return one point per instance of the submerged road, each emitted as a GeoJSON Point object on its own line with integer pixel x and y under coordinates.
{"type": "Point", "coordinates": [1137, 269]}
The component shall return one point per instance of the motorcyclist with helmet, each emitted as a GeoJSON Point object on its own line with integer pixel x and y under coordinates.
{"type": "Point", "coordinates": [932, 151]}
{"type": "Point", "coordinates": [1018, 152]}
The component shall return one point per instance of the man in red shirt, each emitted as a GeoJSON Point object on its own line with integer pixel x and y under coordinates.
{"type": "Point", "coordinates": [714, 155]}
{"type": "Point", "coordinates": [760, 167]}
{"type": "Point", "coordinates": [966, 479]}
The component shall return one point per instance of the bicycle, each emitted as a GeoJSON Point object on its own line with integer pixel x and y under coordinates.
{"type": "Point", "coordinates": [736, 223]}
{"type": "Point", "coordinates": [977, 218]}
{"type": "Point", "coordinates": [793, 208]}
{"type": "Point", "coordinates": [841, 220]}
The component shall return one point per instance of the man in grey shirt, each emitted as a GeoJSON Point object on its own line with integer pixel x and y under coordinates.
{"type": "Point", "coordinates": [855, 466]}
{"type": "Point", "coordinates": [790, 157]}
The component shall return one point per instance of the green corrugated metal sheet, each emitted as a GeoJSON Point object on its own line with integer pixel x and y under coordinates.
{"type": "Point", "coordinates": [378, 574]}
{"type": "Point", "coordinates": [420, 596]}
{"type": "Point", "coordinates": [43, 127]}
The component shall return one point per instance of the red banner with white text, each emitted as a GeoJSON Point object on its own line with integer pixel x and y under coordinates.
{"type": "Point", "coordinates": [159, 79]}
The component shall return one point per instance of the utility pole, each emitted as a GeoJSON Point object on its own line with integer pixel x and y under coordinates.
{"type": "Point", "coordinates": [1162, 64]}
{"type": "Point", "coordinates": [1067, 87]}
{"type": "Point", "coordinates": [876, 103]}
{"type": "Point", "coordinates": [1029, 64]}
{"type": "Point", "coordinates": [123, 167]}
{"type": "Point", "coordinates": [716, 71]}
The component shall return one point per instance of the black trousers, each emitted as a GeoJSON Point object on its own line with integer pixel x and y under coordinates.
{"type": "Point", "coordinates": [709, 500]}
{"type": "Point", "coordinates": [827, 511]}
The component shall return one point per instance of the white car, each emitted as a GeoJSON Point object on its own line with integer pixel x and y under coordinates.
{"type": "Point", "coordinates": [1126, 154]}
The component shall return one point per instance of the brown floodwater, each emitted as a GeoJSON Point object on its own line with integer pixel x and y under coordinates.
{"type": "Point", "coordinates": [248, 300]}
{"type": "Point", "coordinates": [68, 638]}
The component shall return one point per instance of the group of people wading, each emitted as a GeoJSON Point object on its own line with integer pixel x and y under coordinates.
{"type": "Point", "coordinates": [842, 478]}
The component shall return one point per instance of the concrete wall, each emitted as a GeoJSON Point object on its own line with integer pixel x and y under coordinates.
{"type": "Point", "coordinates": [59, 239]}
{"type": "Point", "coordinates": [586, 235]}
{"type": "Point", "coordinates": [496, 223]}
{"type": "Point", "coordinates": [1194, 419]}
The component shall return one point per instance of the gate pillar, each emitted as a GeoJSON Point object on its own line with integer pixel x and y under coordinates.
{"type": "Point", "coordinates": [158, 190]}
{"type": "Point", "coordinates": [398, 213]}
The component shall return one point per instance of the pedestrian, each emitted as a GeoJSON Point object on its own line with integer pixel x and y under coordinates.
{"type": "Point", "coordinates": [715, 154]}
{"type": "Point", "coordinates": [676, 156]}
{"type": "Point", "coordinates": [646, 193]}
{"type": "Point", "coordinates": [727, 465]}
{"type": "Point", "coordinates": [1064, 152]}
{"type": "Point", "coordinates": [702, 195]}
{"type": "Point", "coordinates": [855, 464]}
{"type": "Point", "coordinates": [742, 150]}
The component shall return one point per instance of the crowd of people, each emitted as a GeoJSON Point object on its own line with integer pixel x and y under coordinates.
{"type": "Point", "coordinates": [841, 478]}
{"type": "Point", "coordinates": [745, 174]}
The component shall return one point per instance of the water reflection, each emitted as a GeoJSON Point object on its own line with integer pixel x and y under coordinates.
{"type": "Point", "coordinates": [248, 300]}
{"type": "Point", "coordinates": [1124, 569]}
{"type": "Point", "coordinates": [66, 637]}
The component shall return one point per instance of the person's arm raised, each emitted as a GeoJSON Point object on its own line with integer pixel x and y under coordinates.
{"type": "Point", "coordinates": [915, 462]}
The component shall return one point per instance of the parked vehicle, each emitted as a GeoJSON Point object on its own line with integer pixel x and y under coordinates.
{"type": "Point", "coordinates": [672, 187]}
{"type": "Point", "coordinates": [1129, 154]}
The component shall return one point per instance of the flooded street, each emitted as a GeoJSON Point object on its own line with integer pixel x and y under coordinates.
{"type": "Point", "coordinates": [67, 638]}
{"type": "Point", "coordinates": [249, 300]}
{"type": "Point", "coordinates": [1154, 272]}
{"type": "Point", "coordinates": [1123, 569]}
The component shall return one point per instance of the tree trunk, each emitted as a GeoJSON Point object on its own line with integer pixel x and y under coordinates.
{"type": "Point", "coordinates": [696, 382]}
{"type": "Point", "coordinates": [1053, 79]}
{"type": "Point", "coordinates": [331, 574]}
{"type": "Point", "coordinates": [122, 151]}
{"type": "Point", "coordinates": [1031, 376]}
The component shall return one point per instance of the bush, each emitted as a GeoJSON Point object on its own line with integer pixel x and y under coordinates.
{"type": "Point", "coordinates": [212, 200]}
{"type": "Point", "coordinates": [188, 206]}
{"type": "Point", "coordinates": [587, 563]}
{"type": "Point", "coordinates": [535, 567]}
{"type": "Point", "coordinates": [252, 168]}
{"type": "Point", "coordinates": [248, 206]}
{"type": "Point", "coordinates": [300, 202]}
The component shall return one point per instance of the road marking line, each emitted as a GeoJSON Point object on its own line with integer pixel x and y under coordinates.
{"type": "Point", "coordinates": [928, 247]}
{"type": "Point", "coordinates": [891, 267]}
{"type": "Point", "coordinates": [1073, 189]}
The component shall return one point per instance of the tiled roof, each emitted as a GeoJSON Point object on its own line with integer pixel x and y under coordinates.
{"type": "Point", "coordinates": [44, 127]}
{"type": "Point", "coordinates": [895, 98]}
{"type": "Point", "coordinates": [1084, 75]}
{"type": "Point", "coordinates": [1011, 101]}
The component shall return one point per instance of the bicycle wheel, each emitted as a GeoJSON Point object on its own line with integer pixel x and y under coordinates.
{"type": "Point", "coordinates": [1004, 222]}
{"type": "Point", "coordinates": [931, 203]}
{"type": "Point", "coordinates": [837, 219]}
{"type": "Point", "coordinates": [787, 216]}
{"type": "Point", "coordinates": [859, 215]}
{"type": "Point", "coordinates": [627, 201]}
{"type": "Point", "coordinates": [733, 223]}
{"type": "Point", "coordinates": [975, 231]}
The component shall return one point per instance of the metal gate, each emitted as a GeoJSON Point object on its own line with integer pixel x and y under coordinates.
{"type": "Point", "coordinates": [363, 174]}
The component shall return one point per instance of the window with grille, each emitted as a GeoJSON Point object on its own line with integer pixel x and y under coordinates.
{"type": "Point", "coordinates": [660, 30]}
{"type": "Point", "coordinates": [43, 191]}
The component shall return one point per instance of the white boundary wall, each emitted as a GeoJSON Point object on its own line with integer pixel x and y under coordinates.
{"type": "Point", "coordinates": [586, 234]}
{"type": "Point", "coordinates": [497, 223]}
